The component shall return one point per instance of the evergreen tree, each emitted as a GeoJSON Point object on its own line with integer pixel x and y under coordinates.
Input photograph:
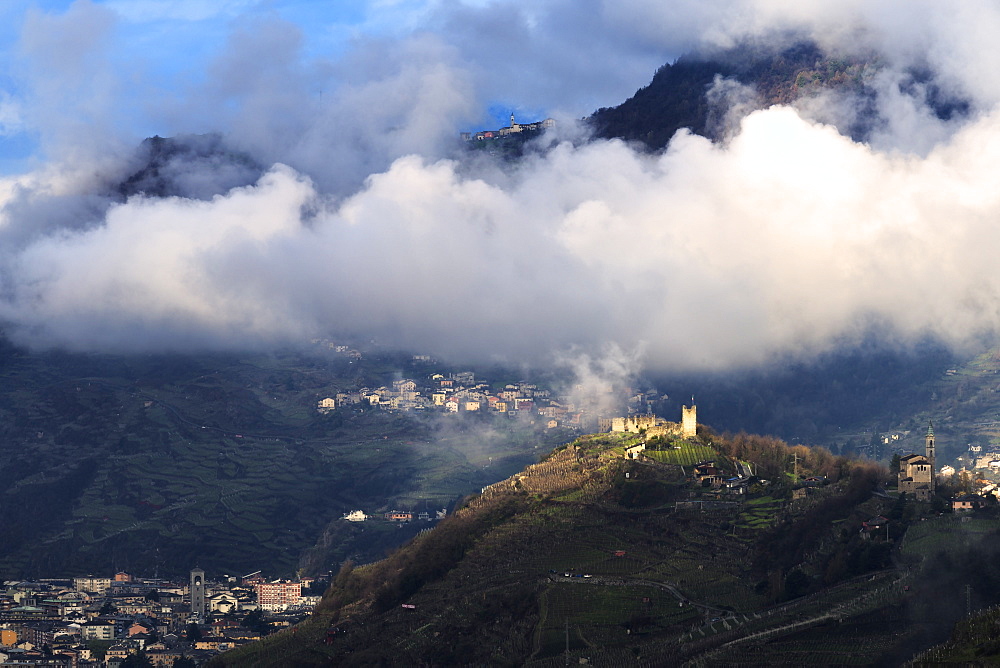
{"type": "Point", "coordinates": [137, 660]}
{"type": "Point", "coordinates": [894, 464]}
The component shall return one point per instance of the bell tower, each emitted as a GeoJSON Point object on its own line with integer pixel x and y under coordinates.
{"type": "Point", "coordinates": [198, 593]}
{"type": "Point", "coordinates": [929, 449]}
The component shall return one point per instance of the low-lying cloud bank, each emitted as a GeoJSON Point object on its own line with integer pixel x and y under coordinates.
{"type": "Point", "coordinates": [786, 238]}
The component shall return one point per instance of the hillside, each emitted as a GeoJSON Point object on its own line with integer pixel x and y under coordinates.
{"type": "Point", "coordinates": [679, 94]}
{"type": "Point", "coordinates": [177, 167]}
{"type": "Point", "coordinates": [631, 562]}
{"type": "Point", "coordinates": [685, 94]}
{"type": "Point", "coordinates": [150, 462]}
{"type": "Point", "coordinates": [157, 463]}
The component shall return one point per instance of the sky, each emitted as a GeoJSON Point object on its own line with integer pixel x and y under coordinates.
{"type": "Point", "coordinates": [351, 214]}
{"type": "Point", "coordinates": [165, 66]}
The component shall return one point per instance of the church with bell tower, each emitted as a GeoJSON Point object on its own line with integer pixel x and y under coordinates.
{"type": "Point", "coordinates": [916, 472]}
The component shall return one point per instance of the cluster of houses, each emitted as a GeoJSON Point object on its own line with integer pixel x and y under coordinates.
{"type": "Point", "coordinates": [512, 129]}
{"type": "Point", "coordinates": [339, 348]}
{"type": "Point", "coordinates": [982, 469]}
{"type": "Point", "coordinates": [397, 516]}
{"type": "Point", "coordinates": [462, 393]}
{"type": "Point", "coordinates": [580, 409]}
{"type": "Point", "coordinates": [709, 474]}
{"type": "Point", "coordinates": [55, 622]}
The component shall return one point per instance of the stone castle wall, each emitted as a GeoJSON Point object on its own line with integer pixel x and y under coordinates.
{"type": "Point", "coordinates": [633, 424]}
{"type": "Point", "coordinates": [655, 426]}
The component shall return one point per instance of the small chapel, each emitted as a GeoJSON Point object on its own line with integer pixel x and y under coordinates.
{"type": "Point", "coordinates": [916, 472]}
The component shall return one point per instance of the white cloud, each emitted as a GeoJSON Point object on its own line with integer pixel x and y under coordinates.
{"type": "Point", "coordinates": [155, 269]}
{"type": "Point", "coordinates": [179, 10]}
{"type": "Point", "coordinates": [788, 237]}
{"type": "Point", "coordinates": [11, 115]}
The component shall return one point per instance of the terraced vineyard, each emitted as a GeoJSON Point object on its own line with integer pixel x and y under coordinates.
{"type": "Point", "coordinates": [760, 513]}
{"type": "Point", "coordinates": [683, 453]}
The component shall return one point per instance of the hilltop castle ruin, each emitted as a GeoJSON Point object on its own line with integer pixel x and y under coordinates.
{"type": "Point", "coordinates": [652, 425]}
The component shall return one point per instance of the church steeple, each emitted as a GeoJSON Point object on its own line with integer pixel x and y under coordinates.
{"type": "Point", "coordinates": [197, 592]}
{"type": "Point", "coordinates": [929, 449]}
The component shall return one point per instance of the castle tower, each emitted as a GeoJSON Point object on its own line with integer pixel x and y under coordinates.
{"type": "Point", "coordinates": [198, 592]}
{"type": "Point", "coordinates": [929, 450]}
{"type": "Point", "coordinates": [689, 420]}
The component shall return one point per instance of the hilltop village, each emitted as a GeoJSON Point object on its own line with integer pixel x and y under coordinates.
{"type": "Point", "coordinates": [514, 128]}
{"type": "Point", "coordinates": [582, 410]}
{"type": "Point", "coordinates": [461, 393]}
{"type": "Point", "coordinates": [103, 621]}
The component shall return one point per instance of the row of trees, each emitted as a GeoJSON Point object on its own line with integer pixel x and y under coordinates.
{"type": "Point", "coordinates": [773, 457]}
